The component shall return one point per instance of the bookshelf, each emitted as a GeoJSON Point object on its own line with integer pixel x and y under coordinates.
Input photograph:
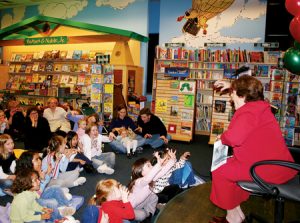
{"type": "Point", "coordinates": [36, 76]}
{"type": "Point", "coordinates": [175, 105]}
{"type": "Point", "coordinates": [205, 66]}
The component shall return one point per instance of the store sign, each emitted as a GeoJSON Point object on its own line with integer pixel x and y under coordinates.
{"type": "Point", "coordinates": [267, 45]}
{"type": "Point", "coordinates": [214, 44]}
{"type": "Point", "coordinates": [174, 45]}
{"type": "Point", "coordinates": [46, 40]}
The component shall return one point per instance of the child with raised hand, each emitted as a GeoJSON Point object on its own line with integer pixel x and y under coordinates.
{"type": "Point", "coordinates": [25, 207]}
{"type": "Point", "coordinates": [128, 142]}
{"type": "Point", "coordinates": [143, 175]}
{"type": "Point", "coordinates": [52, 197]}
{"type": "Point", "coordinates": [113, 199]}
{"type": "Point", "coordinates": [56, 162]}
{"type": "Point", "coordinates": [7, 163]}
{"type": "Point", "coordinates": [78, 159]}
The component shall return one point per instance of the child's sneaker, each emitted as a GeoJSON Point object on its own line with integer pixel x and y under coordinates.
{"type": "Point", "coordinates": [105, 169]}
{"type": "Point", "coordinates": [66, 211]}
{"type": "Point", "coordinates": [79, 181]}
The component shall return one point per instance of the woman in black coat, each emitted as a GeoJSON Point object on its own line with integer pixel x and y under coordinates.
{"type": "Point", "coordinates": [37, 131]}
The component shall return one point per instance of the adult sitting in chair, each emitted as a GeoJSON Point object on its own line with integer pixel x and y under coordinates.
{"type": "Point", "coordinates": [254, 135]}
{"type": "Point", "coordinates": [152, 129]}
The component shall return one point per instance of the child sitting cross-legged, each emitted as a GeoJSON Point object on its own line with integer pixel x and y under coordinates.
{"type": "Point", "coordinates": [25, 207]}
{"type": "Point", "coordinates": [113, 198]}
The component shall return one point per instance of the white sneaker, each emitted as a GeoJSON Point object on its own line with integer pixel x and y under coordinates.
{"type": "Point", "coordinates": [68, 196]}
{"type": "Point", "coordinates": [65, 190]}
{"type": "Point", "coordinates": [105, 169]}
{"type": "Point", "coordinates": [79, 181]}
{"type": "Point", "coordinates": [66, 211]}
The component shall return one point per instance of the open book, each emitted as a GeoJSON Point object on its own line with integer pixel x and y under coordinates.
{"type": "Point", "coordinates": [219, 155]}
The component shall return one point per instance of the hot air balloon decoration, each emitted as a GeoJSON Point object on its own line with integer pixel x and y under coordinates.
{"type": "Point", "coordinates": [200, 13]}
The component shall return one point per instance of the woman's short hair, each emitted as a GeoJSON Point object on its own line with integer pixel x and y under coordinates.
{"type": "Point", "coordinates": [248, 87]}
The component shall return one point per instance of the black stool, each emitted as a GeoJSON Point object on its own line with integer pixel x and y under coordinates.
{"type": "Point", "coordinates": [279, 192]}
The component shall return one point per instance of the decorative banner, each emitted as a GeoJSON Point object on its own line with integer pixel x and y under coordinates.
{"type": "Point", "coordinates": [46, 40]}
{"type": "Point", "coordinates": [161, 105]}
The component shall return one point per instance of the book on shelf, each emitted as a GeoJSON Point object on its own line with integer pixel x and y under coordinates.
{"type": "Point", "coordinates": [42, 66]}
{"type": "Point", "coordinates": [13, 57]}
{"type": "Point", "coordinates": [87, 80]}
{"type": "Point", "coordinates": [57, 67]}
{"type": "Point", "coordinates": [83, 68]}
{"type": "Point", "coordinates": [17, 68]}
{"type": "Point", "coordinates": [220, 106]}
{"type": "Point", "coordinates": [69, 54]}
{"type": "Point", "coordinates": [96, 78]}
{"type": "Point", "coordinates": [217, 127]}
{"type": "Point", "coordinates": [18, 57]}
{"type": "Point", "coordinates": [85, 55]}
{"type": "Point", "coordinates": [77, 54]}
{"type": "Point", "coordinates": [49, 67]}
{"type": "Point", "coordinates": [29, 57]}
{"type": "Point", "coordinates": [108, 79]}
{"type": "Point", "coordinates": [11, 68]}
{"type": "Point", "coordinates": [81, 79]}
{"type": "Point", "coordinates": [277, 86]}
{"type": "Point", "coordinates": [288, 134]}
{"type": "Point", "coordinates": [55, 54]}
{"type": "Point", "coordinates": [64, 79]}
{"type": "Point", "coordinates": [108, 98]}
{"type": "Point", "coordinates": [73, 79]}
{"type": "Point", "coordinates": [277, 74]}
{"type": "Point", "coordinates": [65, 68]}
{"type": "Point", "coordinates": [96, 69]}
{"type": "Point", "coordinates": [28, 78]}
{"type": "Point", "coordinates": [92, 55]}
{"type": "Point", "coordinates": [292, 88]}
{"type": "Point", "coordinates": [63, 54]}
{"type": "Point", "coordinates": [41, 54]}
{"type": "Point", "coordinates": [108, 69]}
{"type": "Point", "coordinates": [47, 55]}
{"type": "Point", "coordinates": [28, 68]}
{"type": "Point", "coordinates": [289, 122]}
{"type": "Point", "coordinates": [23, 57]}
{"type": "Point", "coordinates": [55, 79]}
{"type": "Point", "coordinates": [35, 66]}
{"type": "Point", "coordinates": [42, 78]}
{"type": "Point", "coordinates": [261, 70]}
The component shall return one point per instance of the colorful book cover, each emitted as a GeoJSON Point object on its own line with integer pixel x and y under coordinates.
{"type": "Point", "coordinates": [84, 68]}
{"type": "Point", "coordinates": [161, 105]}
{"type": "Point", "coordinates": [81, 79]}
{"type": "Point", "coordinates": [87, 80]}
{"type": "Point", "coordinates": [108, 107]}
{"type": "Point", "coordinates": [69, 54]}
{"type": "Point", "coordinates": [108, 69]}
{"type": "Point", "coordinates": [57, 67]}
{"type": "Point", "coordinates": [28, 78]}
{"type": "Point", "coordinates": [96, 69]}
{"type": "Point", "coordinates": [186, 128]}
{"type": "Point", "coordinates": [42, 78]}
{"type": "Point", "coordinates": [35, 78]}
{"type": "Point", "coordinates": [23, 57]}
{"type": "Point", "coordinates": [108, 79]}
{"type": "Point", "coordinates": [65, 68]}
{"type": "Point", "coordinates": [290, 122]}
{"type": "Point", "coordinates": [108, 98]}
{"type": "Point", "coordinates": [92, 55]}
{"type": "Point", "coordinates": [73, 79]}
{"type": "Point", "coordinates": [85, 55]}
{"type": "Point", "coordinates": [96, 97]}
{"type": "Point", "coordinates": [77, 54]}
{"type": "Point", "coordinates": [64, 79]}
{"type": "Point", "coordinates": [28, 69]}
{"type": "Point", "coordinates": [49, 67]}
{"type": "Point", "coordinates": [63, 54]}
{"type": "Point", "coordinates": [277, 86]}
{"type": "Point", "coordinates": [13, 57]}
{"type": "Point", "coordinates": [189, 100]}
{"type": "Point", "coordinates": [97, 78]}
{"type": "Point", "coordinates": [42, 66]}
{"type": "Point", "coordinates": [18, 57]}
{"type": "Point", "coordinates": [11, 68]}
{"type": "Point", "coordinates": [74, 67]}
{"type": "Point", "coordinates": [29, 57]}
{"type": "Point", "coordinates": [55, 54]}
{"type": "Point", "coordinates": [217, 128]}
{"type": "Point", "coordinates": [17, 68]}
{"type": "Point", "coordinates": [55, 79]}
{"type": "Point", "coordinates": [35, 66]}
{"type": "Point", "coordinates": [96, 88]}
{"type": "Point", "coordinates": [220, 106]}
{"type": "Point", "coordinates": [186, 115]}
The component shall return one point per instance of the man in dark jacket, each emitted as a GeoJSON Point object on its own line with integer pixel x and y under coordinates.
{"type": "Point", "coordinates": [152, 129]}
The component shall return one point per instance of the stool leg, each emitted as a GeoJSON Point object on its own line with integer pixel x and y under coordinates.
{"type": "Point", "coordinates": [279, 210]}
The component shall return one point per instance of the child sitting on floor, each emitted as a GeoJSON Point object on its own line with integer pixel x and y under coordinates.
{"type": "Point", "coordinates": [25, 207]}
{"type": "Point", "coordinates": [113, 198]}
{"type": "Point", "coordinates": [126, 137]}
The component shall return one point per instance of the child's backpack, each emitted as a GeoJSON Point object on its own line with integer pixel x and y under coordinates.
{"type": "Point", "coordinates": [90, 214]}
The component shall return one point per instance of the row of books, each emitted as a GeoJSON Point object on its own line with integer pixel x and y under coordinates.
{"type": "Point", "coordinates": [226, 55]}
{"type": "Point", "coordinates": [206, 74]}
{"type": "Point", "coordinates": [50, 66]}
{"type": "Point", "coordinates": [60, 54]}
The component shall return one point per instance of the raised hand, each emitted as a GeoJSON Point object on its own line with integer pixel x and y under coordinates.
{"type": "Point", "coordinates": [222, 84]}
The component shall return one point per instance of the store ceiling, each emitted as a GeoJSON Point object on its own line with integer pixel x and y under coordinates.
{"type": "Point", "coordinates": [16, 3]}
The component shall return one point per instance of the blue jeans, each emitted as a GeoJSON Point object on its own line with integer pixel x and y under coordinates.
{"type": "Point", "coordinates": [5, 184]}
{"type": "Point", "coordinates": [155, 141]}
{"type": "Point", "coordinates": [108, 158]}
{"type": "Point", "coordinates": [73, 165]}
{"type": "Point", "coordinates": [117, 146]}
